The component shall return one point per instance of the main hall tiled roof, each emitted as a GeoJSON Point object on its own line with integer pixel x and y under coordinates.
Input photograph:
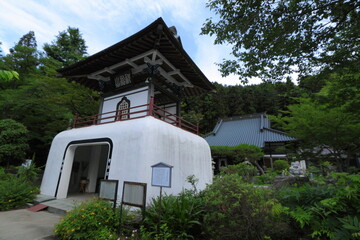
{"type": "Point", "coordinates": [249, 129]}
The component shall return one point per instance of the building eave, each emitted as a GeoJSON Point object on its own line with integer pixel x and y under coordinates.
{"type": "Point", "coordinates": [155, 36]}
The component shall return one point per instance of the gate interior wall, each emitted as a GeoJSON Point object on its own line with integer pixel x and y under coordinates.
{"type": "Point", "coordinates": [83, 168]}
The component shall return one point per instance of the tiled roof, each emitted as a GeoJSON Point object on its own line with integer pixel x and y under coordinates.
{"type": "Point", "coordinates": [249, 129]}
{"type": "Point", "coordinates": [155, 36]}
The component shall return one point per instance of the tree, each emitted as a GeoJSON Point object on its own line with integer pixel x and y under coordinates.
{"type": "Point", "coordinates": [68, 48]}
{"type": "Point", "coordinates": [42, 102]}
{"type": "Point", "coordinates": [8, 75]}
{"type": "Point", "coordinates": [46, 107]}
{"type": "Point", "coordinates": [271, 39]}
{"type": "Point", "coordinates": [240, 153]}
{"type": "Point", "coordinates": [237, 210]}
{"type": "Point", "coordinates": [13, 141]}
{"type": "Point", "coordinates": [251, 153]}
{"type": "Point", "coordinates": [327, 124]}
{"type": "Point", "coordinates": [23, 57]}
{"type": "Point", "coordinates": [237, 100]}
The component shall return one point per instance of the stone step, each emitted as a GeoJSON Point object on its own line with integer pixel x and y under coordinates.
{"type": "Point", "coordinates": [61, 206]}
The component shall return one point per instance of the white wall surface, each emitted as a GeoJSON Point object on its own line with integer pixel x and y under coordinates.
{"type": "Point", "coordinates": [170, 109]}
{"type": "Point", "coordinates": [137, 145]}
{"type": "Point", "coordinates": [137, 97]}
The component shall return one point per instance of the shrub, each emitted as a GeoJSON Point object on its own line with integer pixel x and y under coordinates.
{"type": "Point", "coordinates": [304, 196]}
{"type": "Point", "coordinates": [90, 220]}
{"type": "Point", "coordinates": [267, 178]}
{"type": "Point", "coordinates": [235, 210]}
{"type": "Point", "coordinates": [280, 165]}
{"type": "Point", "coordinates": [246, 171]}
{"type": "Point", "coordinates": [29, 173]}
{"type": "Point", "coordinates": [240, 153]}
{"type": "Point", "coordinates": [13, 141]}
{"type": "Point", "coordinates": [326, 211]}
{"type": "Point", "coordinates": [130, 223]}
{"type": "Point", "coordinates": [174, 217]}
{"type": "Point", "coordinates": [15, 192]}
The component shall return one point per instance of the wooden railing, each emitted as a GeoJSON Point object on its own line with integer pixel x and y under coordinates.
{"type": "Point", "coordinates": [133, 113]}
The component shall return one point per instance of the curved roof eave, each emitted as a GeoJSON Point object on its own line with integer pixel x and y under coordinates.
{"type": "Point", "coordinates": [138, 43]}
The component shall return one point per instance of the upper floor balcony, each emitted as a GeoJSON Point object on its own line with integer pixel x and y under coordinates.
{"type": "Point", "coordinates": [140, 111]}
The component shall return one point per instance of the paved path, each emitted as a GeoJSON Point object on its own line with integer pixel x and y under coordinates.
{"type": "Point", "coordinates": [25, 225]}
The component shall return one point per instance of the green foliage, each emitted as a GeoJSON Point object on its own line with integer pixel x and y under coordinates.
{"type": "Point", "coordinates": [13, 141]}
{"type": "Point", "coordinates": [174, 217]}
{"type": "Point", "coordinates": [93, 220]}
{"type": "Point", "coordinates": [267, 178]}
{"type": "Point", "coordinates": [280, 165]}
{"type": "Point", "coordinates": [29, 173]}
{"type": "Point", "coordinates": [162, 234]}
{"type": "Point", "coordinates": [305, 195]}
{"type": "Point", "coordinates": [350, 228]}
{"type": "Point", "coordinates": [8, 75]}
{"type": "Point", "coordinates": [235, 210]}
{"type": "Point", "coordinates": [193, 182]}
{"type": "Point", "coordinates": [237, 100]}
{"type": "Point", "coordinates": [303, 217]}
{"type": "Point", "coordinates": [271, 39]}
{"type": "Point", "coordinates": [240, 153]}
{"type": "Point", "coordinates": [326, 211]}
{"type": "Point", "coordinates": [68, 48]}
{"type": "Point", "coordinates": [130, 223]}
{"type": "Point", "coordinates": [328, 120]}
{"type": "Point", "coordinates": [38, 99]}
{"type": "Point", "coordinates": [244, 170]}
{"type": "Point", "coordinates": [23, 58]}
{"type": "Point", "coordinates": [15, 191]}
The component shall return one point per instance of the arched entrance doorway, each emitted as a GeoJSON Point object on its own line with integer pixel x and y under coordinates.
{"type": "Point", "coordinates": [84, 165]}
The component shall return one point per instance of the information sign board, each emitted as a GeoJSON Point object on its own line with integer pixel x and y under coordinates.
{"type": "Point", "coordinates": [161, 175]}
{"type": "Point", "coordinates": [134, 194]}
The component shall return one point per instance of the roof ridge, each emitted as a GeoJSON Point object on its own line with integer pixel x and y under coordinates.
{"type": "Point", "coordinates": [110, 48]}
{"type": "Point", "coordinates": [246, 116]}
{"type": "Point", "coordinates": [217, 127]}
{"type": "Point", "coordinates": [276, 131]}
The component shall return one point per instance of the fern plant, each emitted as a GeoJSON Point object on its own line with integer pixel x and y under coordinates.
{"type": "Point", "coordinates": [350, 228]}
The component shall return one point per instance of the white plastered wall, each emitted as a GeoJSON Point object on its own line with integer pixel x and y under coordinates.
{"type": "Point", "coordinates": [136, 97]}
{"type": "Point", "coordinates": [137, 145]}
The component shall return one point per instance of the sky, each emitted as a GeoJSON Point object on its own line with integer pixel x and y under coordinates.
{"type": "Point", "coordinates": [106, 22]}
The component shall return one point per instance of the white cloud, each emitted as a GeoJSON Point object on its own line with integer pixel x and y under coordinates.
{"type": "Point", "coordinates": [21, 17]}
{"type": "Point", "coordinates": [106, 22]}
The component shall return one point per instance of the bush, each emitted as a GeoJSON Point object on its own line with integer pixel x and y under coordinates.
{"type": "Point", "coordinates": [244, 170]}
{"type": "Point", "coordinates": [267, 178]}
{"type": "Point", "coordinates": [29, 173]}
{"type": "Point", "coordinates": [235, 210]}
{"type": "Point", "coordinates": [90, 220]}
{"type": "Point", "coordinates": [326, 211]}
{"type": "Point", "coordinates": [174, 217]}
{"type": "Point", "coordinates": [13, 141]}
{"type": "Point", "coordinates": [15, 192]}
{"type": "Point", "coordinates": [280, 165]}
{"type": "Point", "coordinates": [130, 223]}
{"type": "Point", "coordinates": [304, 196]}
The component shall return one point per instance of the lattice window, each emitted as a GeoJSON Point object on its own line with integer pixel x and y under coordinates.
{"type": "Point", "coordinates": [123, 109]}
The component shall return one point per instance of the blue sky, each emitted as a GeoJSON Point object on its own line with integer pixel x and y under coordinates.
{"type": "Point", "coordinates": [106, 22]}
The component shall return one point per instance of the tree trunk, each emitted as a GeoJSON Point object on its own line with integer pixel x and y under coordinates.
{"type": "Point", "coordinates": [259, 167]}
{"type": "Point", "coordinates": [339, 165]}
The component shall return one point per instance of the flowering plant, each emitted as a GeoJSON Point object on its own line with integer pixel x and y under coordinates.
{"type": "Point", "coordinates": [90, 220]}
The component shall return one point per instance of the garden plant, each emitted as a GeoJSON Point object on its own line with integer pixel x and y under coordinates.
{"type": "Point", "coordinates": [16, 190]}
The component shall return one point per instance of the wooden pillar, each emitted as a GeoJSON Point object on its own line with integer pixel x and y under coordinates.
{"type": "Point", "coordinates": [151, 90]}
{"type": "Point", "coordinates": [271, 160]}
